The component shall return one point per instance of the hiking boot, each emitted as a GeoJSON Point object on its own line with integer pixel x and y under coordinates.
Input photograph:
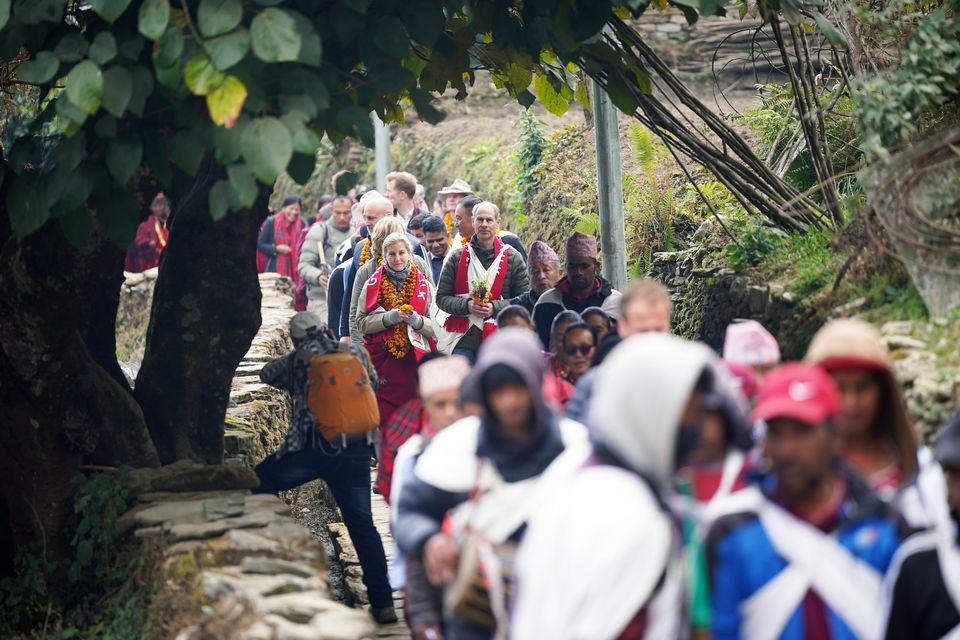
{"type": "Point", "coordinates": [386, 615]}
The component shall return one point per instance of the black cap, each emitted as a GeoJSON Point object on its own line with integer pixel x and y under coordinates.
{"type": "Point", "coordinates": [948, 445]}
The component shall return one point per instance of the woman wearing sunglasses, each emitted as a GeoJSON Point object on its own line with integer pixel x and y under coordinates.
{"type": "Point", "coordinates": [579, 345]}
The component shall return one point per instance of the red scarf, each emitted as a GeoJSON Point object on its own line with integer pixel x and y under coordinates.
{"type": "Point", "coordinates": [418, 302]}
{"type": "Point", "coordinates": [461, 285]}
{"type": "Point", "coordinates": [288, 235]}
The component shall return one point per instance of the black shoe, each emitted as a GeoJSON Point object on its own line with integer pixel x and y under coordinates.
{"type": "Point", "coordinates": [387, 615]}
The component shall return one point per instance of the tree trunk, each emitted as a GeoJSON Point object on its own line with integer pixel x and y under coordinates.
{"type": "Point", "coordinates": [58, 406]}
{"type": "Point", "coordinates": [205, 313]}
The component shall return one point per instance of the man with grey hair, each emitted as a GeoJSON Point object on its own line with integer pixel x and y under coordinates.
{"type": "Point", "coordinates": [477, 282]}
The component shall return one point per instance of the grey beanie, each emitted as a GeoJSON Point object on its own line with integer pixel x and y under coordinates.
{"type": "Point", "coordinates": [948, 445]}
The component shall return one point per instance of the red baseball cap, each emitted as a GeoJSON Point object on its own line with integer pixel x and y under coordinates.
{"type": "Point", "coordinates": [802, 392]}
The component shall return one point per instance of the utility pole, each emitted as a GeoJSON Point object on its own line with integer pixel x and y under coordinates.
{"type": "Point", "coordinates": [610, 189]}
{"type": "Point", "coordinates": [381, 152]}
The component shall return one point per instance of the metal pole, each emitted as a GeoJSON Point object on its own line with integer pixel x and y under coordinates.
{"type": "Point", "coordinates": [382, 152]}
{"type": "Point", "coordinates": [610, 189]}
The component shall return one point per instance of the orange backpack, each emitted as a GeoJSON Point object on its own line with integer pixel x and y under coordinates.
{"type": "Point", "coordinates": [340, 395]}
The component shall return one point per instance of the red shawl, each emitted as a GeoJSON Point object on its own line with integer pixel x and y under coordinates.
{"type": "Point", "coordinates": [461, 285]}
{"type": "Point", "coordinates": [419, 304]}
{"type": "Point", "coordinates": [144, 251]}
{"type": "Point", "coordinates": [290, 236]}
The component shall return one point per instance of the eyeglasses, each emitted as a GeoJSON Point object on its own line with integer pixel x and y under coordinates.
{"type": "Point", "coordinates": [583, 350]}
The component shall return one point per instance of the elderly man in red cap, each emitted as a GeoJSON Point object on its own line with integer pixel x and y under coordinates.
{"type": "Point", "coordinates": [582, 287]}
{"type": "Point", "coordinates": [543, 267]}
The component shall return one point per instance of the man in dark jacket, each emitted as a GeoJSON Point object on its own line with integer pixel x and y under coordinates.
{"type": "Point", "coordinates": [582, 287]}
{"type": "Point", "coordinates": [305, 455]}
{"type": "Point", "coordinates": [543, 267]}
{"type": "Point", "coordinates": [486, 259]}
{"type": "Point", "coordinates": [924, 581]}
{"type": "Point", "coordinates": [513, 442]}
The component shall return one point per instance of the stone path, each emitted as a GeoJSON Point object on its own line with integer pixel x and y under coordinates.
{"type": "Point", "coordinates": [351, 564]}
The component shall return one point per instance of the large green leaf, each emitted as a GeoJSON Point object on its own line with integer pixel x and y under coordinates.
{"type": "Point", "coordinates": [4, 12]}
{"type": "Point", "coordinates": [72, 47]}
{"type": "Point", "coordinates": [123, 157]}
{"type": "Point", "coordinates": [830, 31]}
{"type": "Point", "coordinates": [217, 17]}
{"type": "Point", "coordinates": [85, 86]}
{"type": "Point", "coordinates": [274, 36]}
{"type": "Point", "coordinates": [153, 18]}
{"type": "Point", "coordinates": [345, 181]}
{"type": "Point", "coordinates": [41, 69]}
{"type": "Point", "coordinates": [104, 48]}
{"type": "Point", "coordinates": [186, 152]}
{"type": "Point", "coordinates": [227, 142]}
{"type": "Point", "coordinates": [267, 148]}
{"type": "Point", "coordinates": [301, 167]}
{"type": "Point", "coordinates": [219, 199]}
{"type": "Point", "coordinates": [228, 50]}
{"type": "Point", "coordinates": [311, 47]}
{"type": "Point", "coordinates": [390, 36]}
{"type": "Point", "coordinates": [201, 76]}
{"type": "Point", "coordinates": [305, 140]}
{"type": "Point", "coordinates": [77, 226]}
{"type": "Point", "coordinates": [117, 90]}
{"type": "Point", "coordinates": [226, 101]}
{"type": "Point", "coordinates": [109, 10]}
{"type": "Point", "coordinates": [143, 86]}
{"type": "Point", "coordinates": [549, 97]}
{"type": "Point", "coordinates": [37, 11]}
{"type": "Point", "coordinates": [243, 183]}
{"type": "Point", "coordinates": [27, 204]}
{"type": "Point", "coordinates": [169, 48]}
{"type": "Point", "coordinates": [620, 93]}
{"type": "Point", "coordinates": [119, 216]}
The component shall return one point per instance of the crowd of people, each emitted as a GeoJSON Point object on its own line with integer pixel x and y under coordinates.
{"type": "Point", "coordinates": [558, 465]}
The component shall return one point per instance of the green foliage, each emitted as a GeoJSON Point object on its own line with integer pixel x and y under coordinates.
{"type": "Point", "coordinates": [101, 499]}
{"type": "Point", "coordinates": [755, 243]}
{"type": "Point", "coordinates": [527, 159]}
{"type": "Point", "coordinates": [923, 85]}
{"type": "Point", "coordinates": [25, 597]}
{"type": "Point", "coordinates": [777, 127]}
{"type": "Point", "coordinates": [806, 261]}
{"type": "Point", "coordinates": [193, 83]}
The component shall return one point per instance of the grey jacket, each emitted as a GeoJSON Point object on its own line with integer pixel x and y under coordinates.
{"type": "Point", "coordinates": [319, 247]}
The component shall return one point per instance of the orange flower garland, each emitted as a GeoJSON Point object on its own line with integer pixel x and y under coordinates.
{"type": "Point", "coordinates": [448, 220]}
{"type": "Point", "coordinates": [398, 344]}
{"type": "Point", "coordinates": [464, 240]}
{"type": "Point", "coordinates": [365, 254]}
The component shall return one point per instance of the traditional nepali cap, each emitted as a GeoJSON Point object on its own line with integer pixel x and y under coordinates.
{"type": "Point", "coordinates": [748, 342]}
{"type": "Point", "coordinates": [580, 245]}
{"type": "Point", "coordinates": [849, 343]}
{"type": "Point", "coordinates": [303, 324]}
{"type": "Point", "coordinates": [541, 252]}
{"type": "Point", "coordinates": [802, 392]}
{"type": "Point", "coordinates": [458, 186]}
{"type": "Point", "coordinates": [442, 374]}
{"type": "Point", "coordinates": [948, 445]}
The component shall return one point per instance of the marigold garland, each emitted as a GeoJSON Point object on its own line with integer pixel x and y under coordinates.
{"type": "Point", "coordinates": [365, 254]}
{"type": "Point", "coordinates": [398, 344]}
{"type": "Point", "coordinates": [448, 220]}
{"type": "Point", "coordinates": [464, 240]}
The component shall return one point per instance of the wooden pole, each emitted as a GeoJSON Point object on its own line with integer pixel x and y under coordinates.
{"type": "Point", "coordinates": [610, 189]}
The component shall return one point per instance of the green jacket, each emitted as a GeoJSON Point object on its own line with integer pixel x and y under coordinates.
{"type": "Point", "coordinates": [515, 283]}
{"type": "Point", "coordinates": [319, 246]}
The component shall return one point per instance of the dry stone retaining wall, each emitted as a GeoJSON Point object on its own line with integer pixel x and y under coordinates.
{"type": "Point", "coordinates": [226, 564]}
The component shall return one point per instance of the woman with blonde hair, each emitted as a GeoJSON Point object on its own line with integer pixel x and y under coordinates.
{"type": "Point", "coordinates": [393, 318]}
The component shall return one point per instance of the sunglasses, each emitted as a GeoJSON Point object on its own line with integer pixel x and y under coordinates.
{"type": "Point", "coordinates": [582, 350]}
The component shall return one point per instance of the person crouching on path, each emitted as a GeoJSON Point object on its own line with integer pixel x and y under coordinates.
{"type": "Point", "coordinates": [477, 282]}
{"type": "Point", "coordinates": [485, 472]}
{"type": "Point", "coordinates": [601, 556]}
{"type": "Point", "coordinates": [439, 379]}
{"type": "Point", "coordinates": [801, 554]}
{"type": "Point", "coordinates": [305, 455]}
{"type": "Point", "coordinates": [392, 317]}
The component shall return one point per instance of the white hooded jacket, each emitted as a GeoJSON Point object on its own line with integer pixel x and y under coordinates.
{"type": "Point", "coordinates": [601, 547]}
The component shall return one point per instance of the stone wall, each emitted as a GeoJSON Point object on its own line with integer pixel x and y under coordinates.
{"type": "Point", "coordinates": [225, 564]}
{"type": "Point", "coordinates": [706, 299]}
